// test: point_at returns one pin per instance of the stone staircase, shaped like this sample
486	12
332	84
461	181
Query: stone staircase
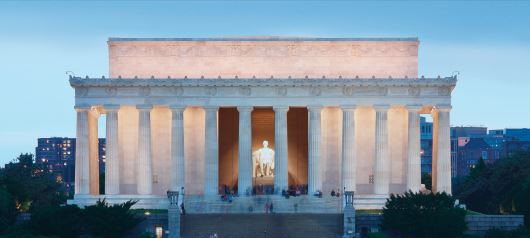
256	204
262	225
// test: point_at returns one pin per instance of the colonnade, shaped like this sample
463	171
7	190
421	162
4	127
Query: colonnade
86	177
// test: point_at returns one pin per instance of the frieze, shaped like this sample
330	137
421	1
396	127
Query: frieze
144	91
177	91
331	87
281	91
245	91
347	91
414	91
315	91
267	50
111	91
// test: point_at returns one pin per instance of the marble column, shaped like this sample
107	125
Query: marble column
93	141
382	156
244	157
177	180
82	167
144	181
441	161
211	154
112	164
281	181
314	178
349	162
413	149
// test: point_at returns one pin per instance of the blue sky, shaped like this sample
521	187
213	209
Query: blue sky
488	42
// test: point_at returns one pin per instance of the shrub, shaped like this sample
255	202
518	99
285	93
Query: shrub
418	215
65	221
104	220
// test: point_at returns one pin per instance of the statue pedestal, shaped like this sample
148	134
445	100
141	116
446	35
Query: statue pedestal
349	216
173	215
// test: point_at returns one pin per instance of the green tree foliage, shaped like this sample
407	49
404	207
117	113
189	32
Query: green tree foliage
505	184
104	220
418	215
61	221
31	187
7	210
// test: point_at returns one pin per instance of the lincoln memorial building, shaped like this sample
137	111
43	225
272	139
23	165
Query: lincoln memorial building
231	122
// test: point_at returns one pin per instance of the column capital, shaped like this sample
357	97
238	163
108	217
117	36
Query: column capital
442	108
176	107
111	107
210	108
245	108
348	107
144	107
280	108
381	107
82	107
414	107
314	107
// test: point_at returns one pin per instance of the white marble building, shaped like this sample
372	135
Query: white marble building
186	114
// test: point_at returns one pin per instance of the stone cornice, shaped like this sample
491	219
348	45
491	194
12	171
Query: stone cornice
260	82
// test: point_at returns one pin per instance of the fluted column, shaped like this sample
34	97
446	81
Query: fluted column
93	141
382	157
413	149
441	162
144	175
349	162
314	178
281	181
244	182
211	154
82	167
112	164
177	180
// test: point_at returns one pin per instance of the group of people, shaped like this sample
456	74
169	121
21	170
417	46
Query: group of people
227	193
269	208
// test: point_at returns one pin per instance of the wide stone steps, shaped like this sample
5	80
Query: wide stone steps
256	204
261	225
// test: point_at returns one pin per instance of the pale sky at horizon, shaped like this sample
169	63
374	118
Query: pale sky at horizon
488	42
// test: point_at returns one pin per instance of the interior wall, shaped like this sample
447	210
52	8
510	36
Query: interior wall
128	148
228	146
194	129
331	149
161	149
365	142
398	141
297	147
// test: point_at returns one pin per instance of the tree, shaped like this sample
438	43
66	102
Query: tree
104	220
505	183
7	210
30	186
419	215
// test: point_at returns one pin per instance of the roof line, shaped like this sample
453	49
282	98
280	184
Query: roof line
117	39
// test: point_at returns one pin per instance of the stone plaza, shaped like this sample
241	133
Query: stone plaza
259	117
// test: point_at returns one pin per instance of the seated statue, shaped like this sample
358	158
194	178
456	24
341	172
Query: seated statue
265	159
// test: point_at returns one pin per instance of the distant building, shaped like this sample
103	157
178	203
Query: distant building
426	145
469	131
470	151
511	147
57	155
